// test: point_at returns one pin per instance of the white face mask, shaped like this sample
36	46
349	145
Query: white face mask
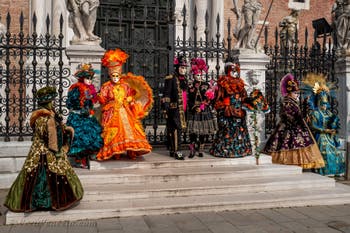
234	74
198	77
87	81
115	77
182	70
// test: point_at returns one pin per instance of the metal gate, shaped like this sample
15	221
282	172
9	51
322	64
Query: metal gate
145	30
297	60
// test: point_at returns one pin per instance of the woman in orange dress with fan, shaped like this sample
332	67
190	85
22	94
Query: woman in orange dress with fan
126	99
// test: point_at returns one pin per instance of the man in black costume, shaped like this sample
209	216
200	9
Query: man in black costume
174	104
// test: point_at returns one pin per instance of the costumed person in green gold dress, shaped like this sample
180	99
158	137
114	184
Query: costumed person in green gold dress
47	181
324	123
232	138
292	142
81	98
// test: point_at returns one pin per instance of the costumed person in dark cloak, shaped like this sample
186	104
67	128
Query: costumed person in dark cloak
292	142
174	103
126	99
232	138
201	120
47	181
81	98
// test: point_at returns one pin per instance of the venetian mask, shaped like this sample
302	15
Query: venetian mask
182	70
88	81
115	77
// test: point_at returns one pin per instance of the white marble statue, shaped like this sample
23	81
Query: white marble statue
341	23
244	32
82	18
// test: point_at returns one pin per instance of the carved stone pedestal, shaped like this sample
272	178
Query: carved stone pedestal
342	71
92	54
253	67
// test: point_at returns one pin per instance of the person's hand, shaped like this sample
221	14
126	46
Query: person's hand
59	154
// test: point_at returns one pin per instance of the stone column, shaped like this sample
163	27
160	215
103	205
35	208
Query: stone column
58	8
202	6
179	18
253	67
39	7
343	97
217	7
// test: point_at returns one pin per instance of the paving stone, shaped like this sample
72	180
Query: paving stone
325	230
25	228
340	210
159	221
290	213
255	217
166	230
315	212
235	218
252	229
134	224
191	225
312	223
53	229
209	217
108	224
297	227
5	229
275	228
274	215
82	229
182	217
339	226
222	227
111	231
197	231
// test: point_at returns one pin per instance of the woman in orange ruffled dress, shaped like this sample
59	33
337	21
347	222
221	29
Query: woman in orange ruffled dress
126	99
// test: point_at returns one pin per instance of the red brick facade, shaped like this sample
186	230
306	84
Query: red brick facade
15	7
318	9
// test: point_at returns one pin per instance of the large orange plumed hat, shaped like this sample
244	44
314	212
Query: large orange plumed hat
114	60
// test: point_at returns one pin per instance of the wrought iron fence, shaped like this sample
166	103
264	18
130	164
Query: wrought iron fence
297	60
28	62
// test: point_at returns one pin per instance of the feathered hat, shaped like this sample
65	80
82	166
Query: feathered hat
288	84
198	66
84	71
114	60
46	95
313	85
180	61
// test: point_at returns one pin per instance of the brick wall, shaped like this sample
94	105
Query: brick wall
318	9
15	7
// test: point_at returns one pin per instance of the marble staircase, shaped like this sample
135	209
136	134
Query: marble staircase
158	184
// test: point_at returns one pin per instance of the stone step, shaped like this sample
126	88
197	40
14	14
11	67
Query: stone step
107	192
182	174
340	194
160	159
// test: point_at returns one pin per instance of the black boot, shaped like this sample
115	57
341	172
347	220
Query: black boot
192	151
